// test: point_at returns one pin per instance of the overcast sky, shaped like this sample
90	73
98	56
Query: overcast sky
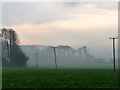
76	24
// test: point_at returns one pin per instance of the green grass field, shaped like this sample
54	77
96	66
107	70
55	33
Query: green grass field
60	78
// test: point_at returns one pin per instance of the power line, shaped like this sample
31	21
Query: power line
93	42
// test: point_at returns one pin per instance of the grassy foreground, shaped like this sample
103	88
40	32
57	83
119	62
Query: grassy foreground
60	78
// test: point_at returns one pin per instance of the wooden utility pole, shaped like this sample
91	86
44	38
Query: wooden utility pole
1	53
55	57
113	38
36	59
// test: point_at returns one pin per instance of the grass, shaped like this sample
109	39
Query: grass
60	78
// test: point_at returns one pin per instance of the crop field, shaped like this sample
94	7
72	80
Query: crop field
59	78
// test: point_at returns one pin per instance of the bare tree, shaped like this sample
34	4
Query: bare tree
10	42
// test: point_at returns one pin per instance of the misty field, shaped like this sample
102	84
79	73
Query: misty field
60	78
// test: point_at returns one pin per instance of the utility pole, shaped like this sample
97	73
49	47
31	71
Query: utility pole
1	53
36	59
113	38
55	57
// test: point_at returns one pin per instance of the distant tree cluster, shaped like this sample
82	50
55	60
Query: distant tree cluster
64	54
12	55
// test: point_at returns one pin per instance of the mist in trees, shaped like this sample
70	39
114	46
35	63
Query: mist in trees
12	55
67	57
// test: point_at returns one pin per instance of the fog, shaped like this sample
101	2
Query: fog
79	26
67	57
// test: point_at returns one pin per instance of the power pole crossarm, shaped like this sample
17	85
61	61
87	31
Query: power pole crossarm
113	37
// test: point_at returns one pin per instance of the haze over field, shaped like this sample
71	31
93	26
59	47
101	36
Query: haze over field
67	57
72	24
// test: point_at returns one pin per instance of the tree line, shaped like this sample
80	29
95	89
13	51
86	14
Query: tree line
12	55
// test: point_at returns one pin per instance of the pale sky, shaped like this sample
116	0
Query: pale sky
49	23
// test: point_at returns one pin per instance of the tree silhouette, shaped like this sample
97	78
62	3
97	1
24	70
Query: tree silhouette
10	42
